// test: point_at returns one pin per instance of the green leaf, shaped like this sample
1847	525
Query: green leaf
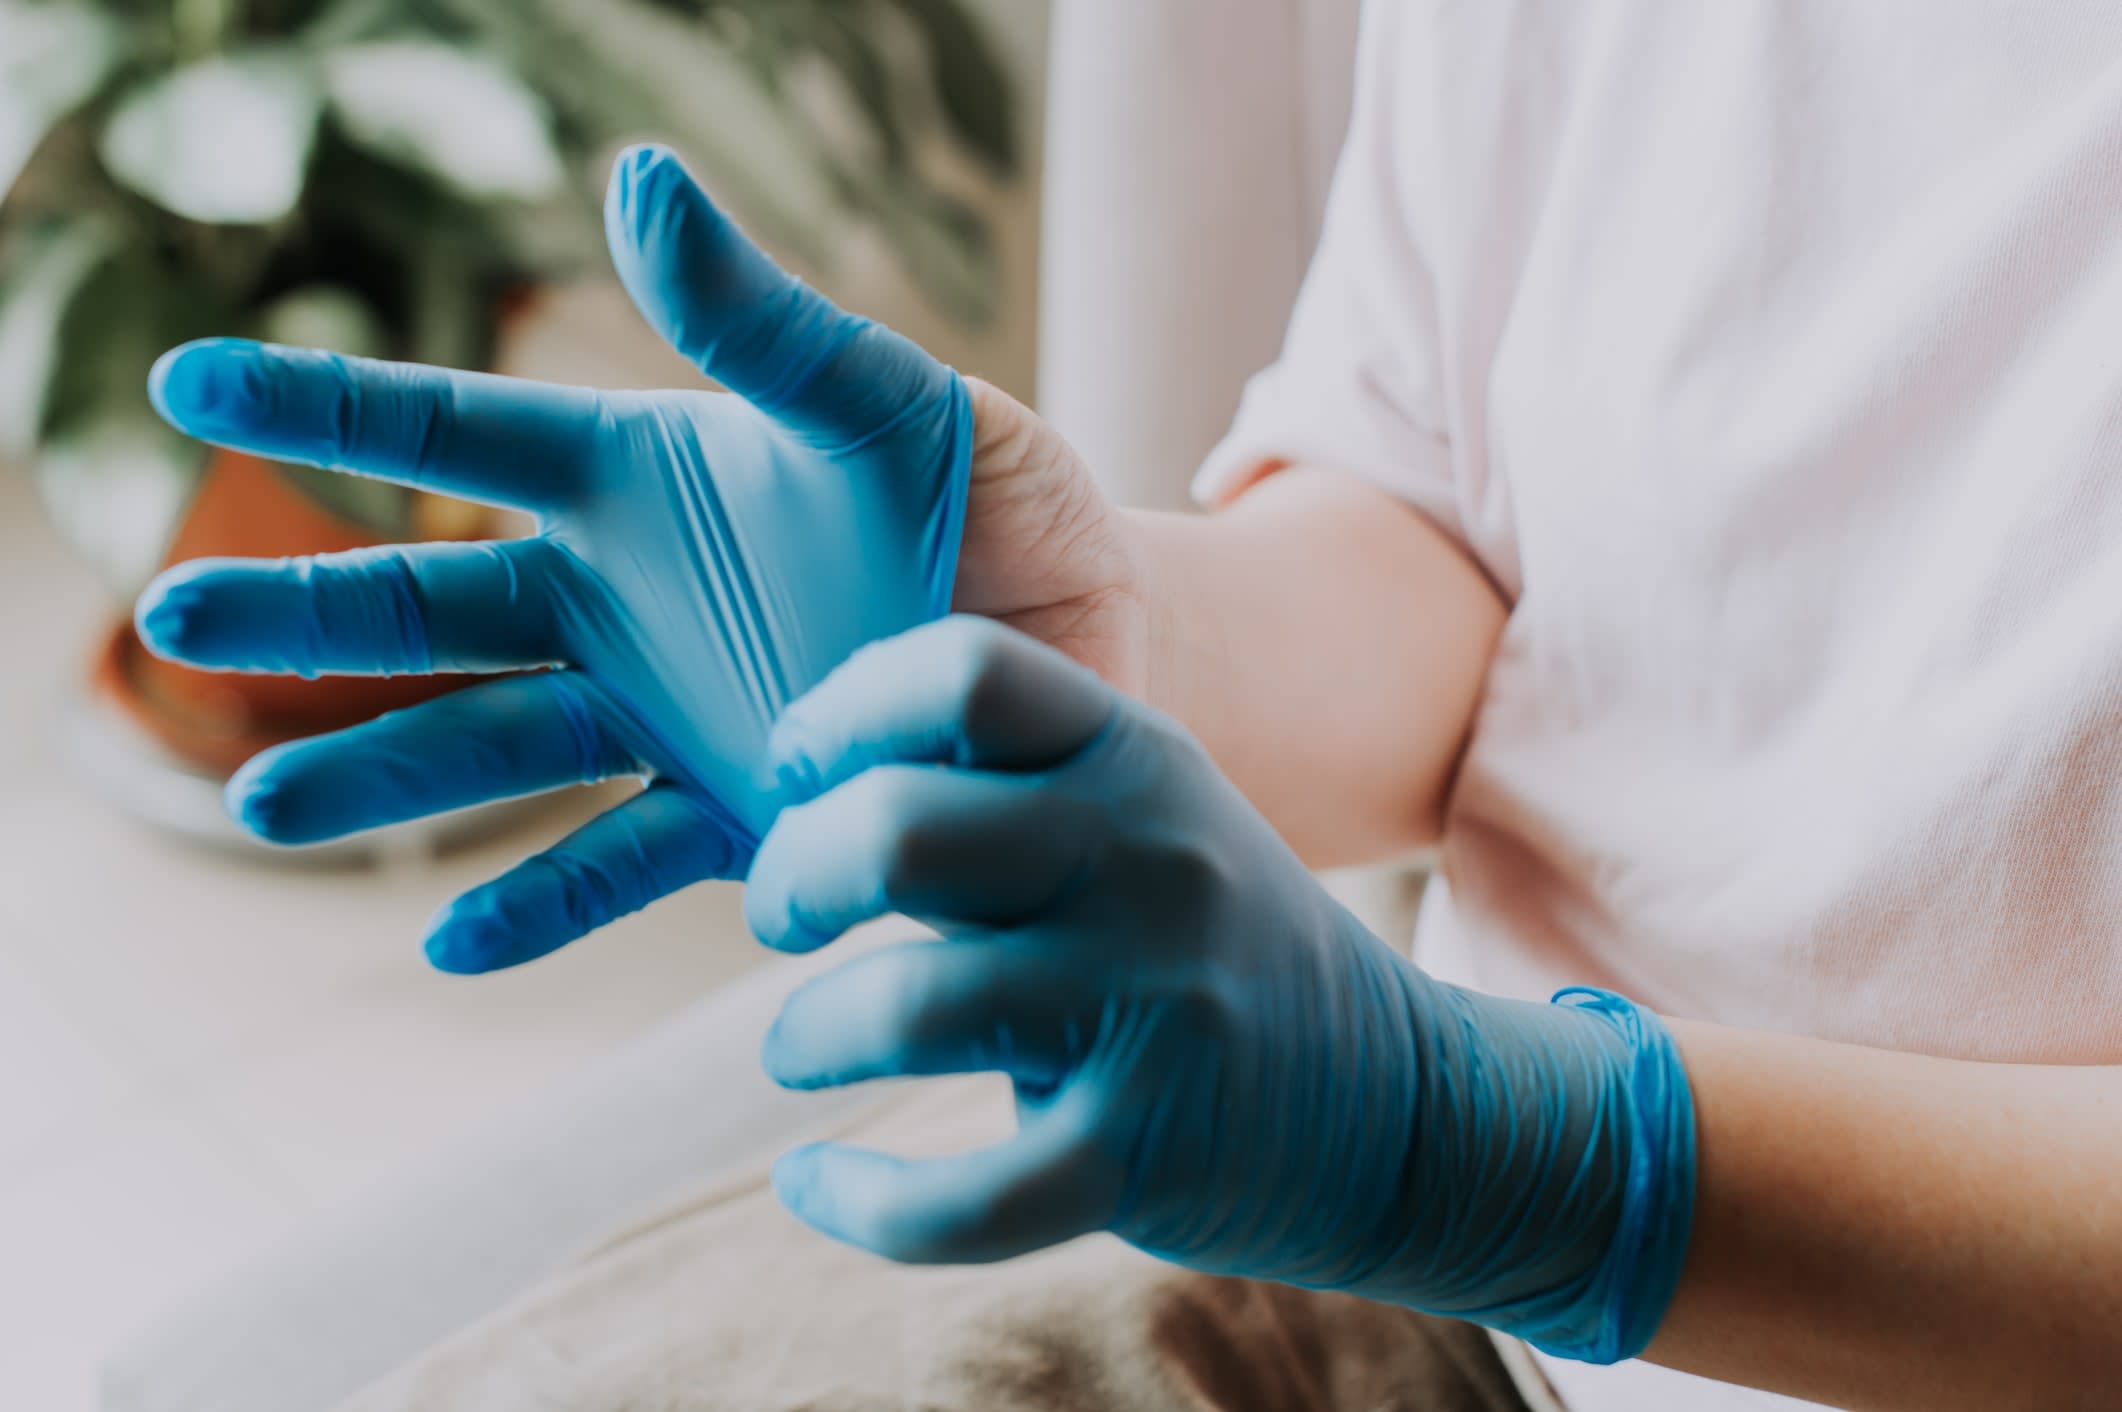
973	83
223	141
49	269
453	309
384	510
325	316
393	209
456	114
948	249
633	73
345	21
113	476
201	27
115	328
752	150
116	487
852	51
53	58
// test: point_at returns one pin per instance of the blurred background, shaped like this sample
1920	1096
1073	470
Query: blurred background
201	1047
253	1154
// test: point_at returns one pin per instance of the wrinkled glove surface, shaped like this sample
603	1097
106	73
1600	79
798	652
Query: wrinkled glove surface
1211	1058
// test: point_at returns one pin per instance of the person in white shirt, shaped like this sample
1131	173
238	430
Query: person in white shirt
1692	494
1763	358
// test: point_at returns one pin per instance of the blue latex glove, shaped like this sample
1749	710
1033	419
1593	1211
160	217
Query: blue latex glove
702	560
1212	1059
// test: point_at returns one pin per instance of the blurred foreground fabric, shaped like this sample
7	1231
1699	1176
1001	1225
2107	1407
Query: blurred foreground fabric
724	1302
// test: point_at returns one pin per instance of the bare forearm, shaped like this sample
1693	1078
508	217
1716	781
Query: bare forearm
1886	1231
1328	645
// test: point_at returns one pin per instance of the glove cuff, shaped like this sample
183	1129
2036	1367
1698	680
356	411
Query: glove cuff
1634	1283
944	540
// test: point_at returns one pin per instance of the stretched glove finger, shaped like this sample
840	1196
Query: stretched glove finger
410	610
936	844
497	740
831	378
933	1008
963	691
662	841
1045	1186
502	441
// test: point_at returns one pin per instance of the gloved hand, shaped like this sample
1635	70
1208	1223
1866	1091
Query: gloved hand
1211	1058
703	559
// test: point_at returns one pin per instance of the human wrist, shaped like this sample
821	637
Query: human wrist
1165	553
1144	540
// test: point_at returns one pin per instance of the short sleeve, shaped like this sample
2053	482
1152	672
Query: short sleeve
1358	385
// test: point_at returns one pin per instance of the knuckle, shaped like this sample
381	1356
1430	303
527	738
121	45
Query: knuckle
387	411
1184	859
254	385
1202	1008
586	895
575	720
1171	744
977	643
910	841
370	600
342	407
1191	877
529	566
879	658
909	998
986	660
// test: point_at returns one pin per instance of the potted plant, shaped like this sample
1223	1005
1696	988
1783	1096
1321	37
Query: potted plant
393	177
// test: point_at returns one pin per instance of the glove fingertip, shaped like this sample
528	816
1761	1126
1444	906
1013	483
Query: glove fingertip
769	915
783	933
444	959
166	615
160	377
636	196
454	949
473	936
774	1058
196	386
796	1170
263	804
639	160
802	1182
788	1060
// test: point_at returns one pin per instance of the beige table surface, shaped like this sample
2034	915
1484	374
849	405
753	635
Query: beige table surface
197	1051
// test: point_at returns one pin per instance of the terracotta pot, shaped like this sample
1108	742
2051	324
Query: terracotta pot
212	721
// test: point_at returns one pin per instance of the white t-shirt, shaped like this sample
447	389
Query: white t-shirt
1767	354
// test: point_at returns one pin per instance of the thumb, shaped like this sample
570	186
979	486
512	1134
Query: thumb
828	376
